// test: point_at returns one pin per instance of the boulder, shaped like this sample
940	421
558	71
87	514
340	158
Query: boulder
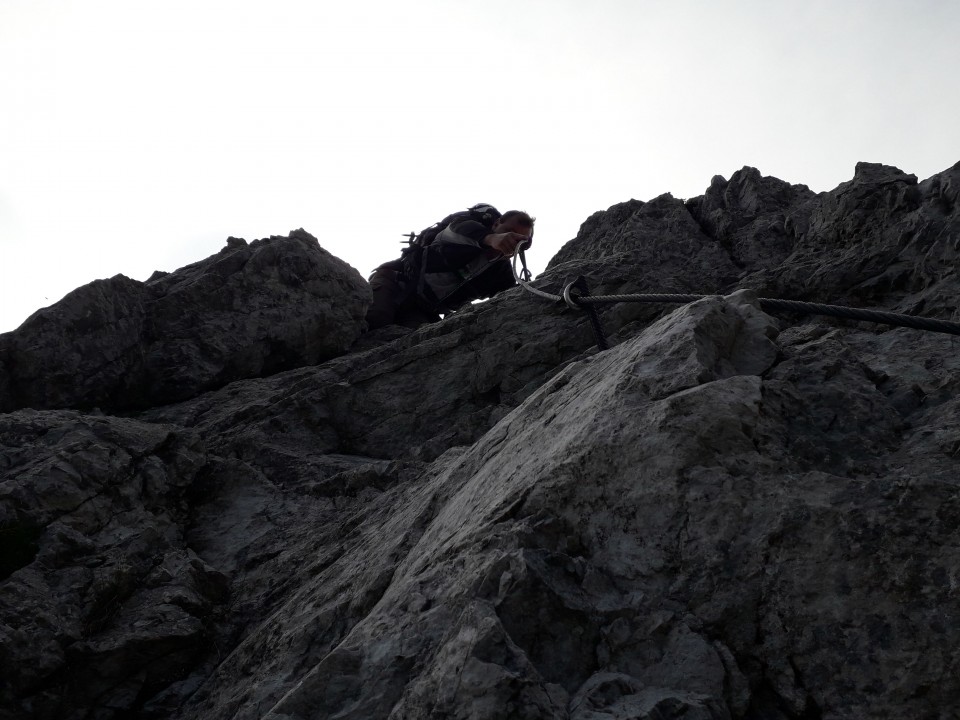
247	311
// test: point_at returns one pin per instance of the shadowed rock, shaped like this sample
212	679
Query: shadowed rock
726	515
247	311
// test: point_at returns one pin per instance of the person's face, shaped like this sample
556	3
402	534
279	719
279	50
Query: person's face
513	225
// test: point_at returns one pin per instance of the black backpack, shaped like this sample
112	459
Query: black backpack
414	256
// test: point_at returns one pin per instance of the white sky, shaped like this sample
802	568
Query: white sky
137	136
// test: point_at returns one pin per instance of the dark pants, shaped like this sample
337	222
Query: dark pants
394	302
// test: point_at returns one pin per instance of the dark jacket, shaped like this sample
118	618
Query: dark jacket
459	268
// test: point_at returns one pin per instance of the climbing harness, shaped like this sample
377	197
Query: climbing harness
577	296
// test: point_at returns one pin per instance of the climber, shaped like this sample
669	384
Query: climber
464	257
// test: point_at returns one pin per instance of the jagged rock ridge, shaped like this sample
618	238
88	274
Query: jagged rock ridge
726	515
249	310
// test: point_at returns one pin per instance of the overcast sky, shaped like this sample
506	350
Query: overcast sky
137	136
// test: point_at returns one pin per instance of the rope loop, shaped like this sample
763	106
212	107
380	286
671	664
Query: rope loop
571	298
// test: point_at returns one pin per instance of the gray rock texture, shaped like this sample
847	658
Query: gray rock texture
249	310
725	515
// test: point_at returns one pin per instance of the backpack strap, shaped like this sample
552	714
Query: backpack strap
415	256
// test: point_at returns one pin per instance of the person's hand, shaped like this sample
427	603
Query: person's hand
505	243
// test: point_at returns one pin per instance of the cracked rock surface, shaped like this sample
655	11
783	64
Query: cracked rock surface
249	310
725	515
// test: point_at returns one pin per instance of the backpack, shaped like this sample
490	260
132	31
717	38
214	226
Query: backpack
414	257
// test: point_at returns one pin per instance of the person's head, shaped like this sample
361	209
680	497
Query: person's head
515	221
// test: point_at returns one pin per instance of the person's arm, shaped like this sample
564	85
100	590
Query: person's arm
457	246
464	242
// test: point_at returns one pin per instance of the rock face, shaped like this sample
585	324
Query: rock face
726	515
247	311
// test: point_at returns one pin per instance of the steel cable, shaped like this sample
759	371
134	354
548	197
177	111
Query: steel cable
807	308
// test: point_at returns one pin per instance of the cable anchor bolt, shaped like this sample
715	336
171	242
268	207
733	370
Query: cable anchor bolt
571	296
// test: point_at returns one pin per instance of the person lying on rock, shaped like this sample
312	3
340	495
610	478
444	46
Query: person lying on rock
464	257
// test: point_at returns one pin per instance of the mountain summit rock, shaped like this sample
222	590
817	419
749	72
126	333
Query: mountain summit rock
726	515
247	311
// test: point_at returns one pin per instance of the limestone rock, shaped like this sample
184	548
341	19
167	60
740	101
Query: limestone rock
81	351
247	311
752	216
879	239
101	601
656	246
725	515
